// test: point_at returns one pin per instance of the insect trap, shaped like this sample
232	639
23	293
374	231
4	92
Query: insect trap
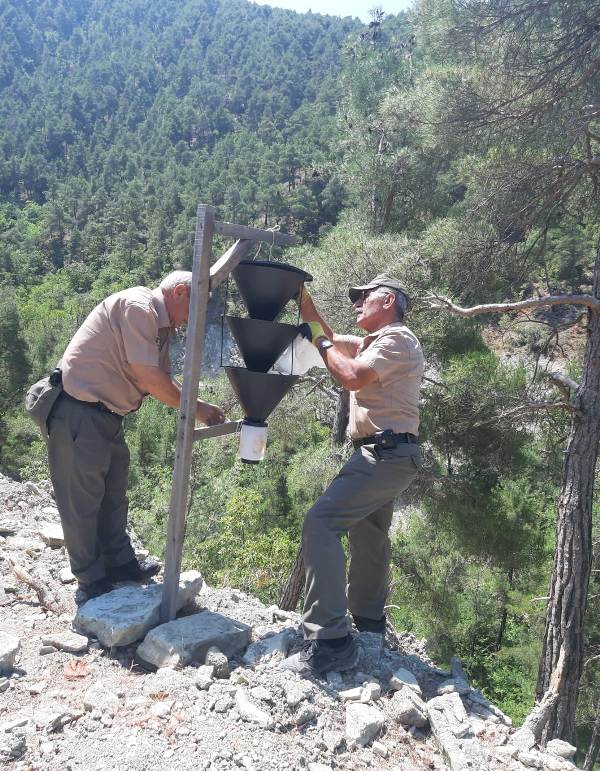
266	288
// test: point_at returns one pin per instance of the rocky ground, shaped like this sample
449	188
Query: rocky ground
73	694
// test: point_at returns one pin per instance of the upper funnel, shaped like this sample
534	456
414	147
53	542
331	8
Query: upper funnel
260	342
267	287
259	392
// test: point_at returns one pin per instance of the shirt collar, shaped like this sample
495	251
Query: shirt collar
161	308
368	339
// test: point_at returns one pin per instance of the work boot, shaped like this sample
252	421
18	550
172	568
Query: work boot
320	656
134	571
364	624
92	589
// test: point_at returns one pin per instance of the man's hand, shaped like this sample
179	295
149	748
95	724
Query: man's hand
312	331
208	413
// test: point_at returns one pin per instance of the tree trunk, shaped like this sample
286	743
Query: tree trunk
294	585
340	420
573	558
504	615
594	747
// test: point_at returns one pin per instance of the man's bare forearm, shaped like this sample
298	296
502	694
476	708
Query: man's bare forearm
158	384
161	386
347	371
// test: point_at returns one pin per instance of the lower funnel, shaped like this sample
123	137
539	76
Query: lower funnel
259	392
260	342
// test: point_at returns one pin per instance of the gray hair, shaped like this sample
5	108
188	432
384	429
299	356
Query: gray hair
176	277
400	300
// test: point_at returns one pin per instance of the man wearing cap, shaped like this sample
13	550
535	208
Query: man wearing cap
119	355
383	372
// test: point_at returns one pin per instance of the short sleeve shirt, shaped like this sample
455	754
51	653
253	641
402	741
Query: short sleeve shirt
391	401
129	327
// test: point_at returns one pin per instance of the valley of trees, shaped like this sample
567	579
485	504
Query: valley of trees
457	146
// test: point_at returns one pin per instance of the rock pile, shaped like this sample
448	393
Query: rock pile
104	687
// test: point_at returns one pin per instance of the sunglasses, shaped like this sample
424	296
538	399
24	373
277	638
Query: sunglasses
364	293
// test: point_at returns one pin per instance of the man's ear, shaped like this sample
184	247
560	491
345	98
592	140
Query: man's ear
180	290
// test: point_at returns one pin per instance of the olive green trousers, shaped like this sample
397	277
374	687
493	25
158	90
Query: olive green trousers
359	502
89	465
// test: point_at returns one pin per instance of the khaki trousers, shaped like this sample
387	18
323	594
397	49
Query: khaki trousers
358	502
89	465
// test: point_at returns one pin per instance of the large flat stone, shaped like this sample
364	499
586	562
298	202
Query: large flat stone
188	639
126	614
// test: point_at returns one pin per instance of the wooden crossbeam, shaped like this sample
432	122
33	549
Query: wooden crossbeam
223	429
256	234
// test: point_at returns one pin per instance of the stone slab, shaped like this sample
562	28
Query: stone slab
188	639
126	614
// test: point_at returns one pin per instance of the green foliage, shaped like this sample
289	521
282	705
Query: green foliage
468	606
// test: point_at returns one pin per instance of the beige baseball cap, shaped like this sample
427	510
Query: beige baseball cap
382	280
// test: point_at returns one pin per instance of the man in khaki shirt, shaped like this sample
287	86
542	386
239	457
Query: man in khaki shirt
119	355
383	372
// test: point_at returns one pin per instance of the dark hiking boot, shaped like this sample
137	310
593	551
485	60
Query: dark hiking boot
364	624
93	589
134	571
320	656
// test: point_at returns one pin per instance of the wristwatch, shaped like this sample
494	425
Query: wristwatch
323	343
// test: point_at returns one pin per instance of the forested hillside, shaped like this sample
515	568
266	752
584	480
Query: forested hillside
458	147
118	118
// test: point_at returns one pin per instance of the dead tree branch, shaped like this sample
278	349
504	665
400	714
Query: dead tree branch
565	385
436	301
523	409
45	596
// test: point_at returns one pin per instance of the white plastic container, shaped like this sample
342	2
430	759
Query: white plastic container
253	441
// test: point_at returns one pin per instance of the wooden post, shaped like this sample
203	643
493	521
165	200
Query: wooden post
187	411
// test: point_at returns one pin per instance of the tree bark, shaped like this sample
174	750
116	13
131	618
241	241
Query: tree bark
594	748
573	557
340	420
294	584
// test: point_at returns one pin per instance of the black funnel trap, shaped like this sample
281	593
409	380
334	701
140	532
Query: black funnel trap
266	287
260	342
259	392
